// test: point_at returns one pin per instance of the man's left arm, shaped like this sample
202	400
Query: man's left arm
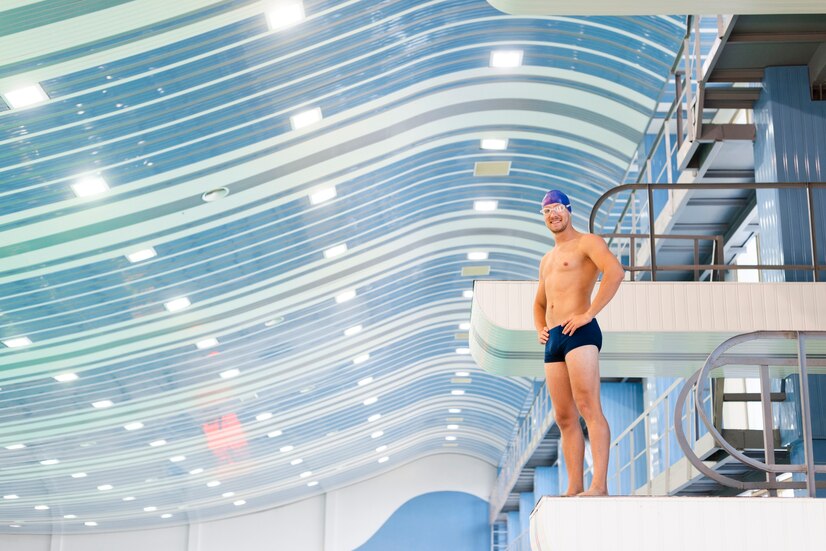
613	273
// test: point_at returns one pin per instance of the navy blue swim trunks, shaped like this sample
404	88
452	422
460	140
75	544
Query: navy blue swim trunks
559	345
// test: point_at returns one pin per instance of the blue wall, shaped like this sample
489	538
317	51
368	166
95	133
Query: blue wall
438	521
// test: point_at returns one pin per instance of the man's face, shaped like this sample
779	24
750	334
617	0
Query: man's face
556	217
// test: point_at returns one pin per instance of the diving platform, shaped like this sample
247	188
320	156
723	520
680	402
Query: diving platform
679	523
656	329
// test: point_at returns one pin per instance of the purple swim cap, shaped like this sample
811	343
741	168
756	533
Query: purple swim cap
556	196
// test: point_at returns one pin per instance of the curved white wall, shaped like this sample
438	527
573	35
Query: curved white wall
339	520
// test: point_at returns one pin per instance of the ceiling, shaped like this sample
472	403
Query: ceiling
207	410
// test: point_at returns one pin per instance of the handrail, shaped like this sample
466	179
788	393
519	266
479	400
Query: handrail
696	383
717	265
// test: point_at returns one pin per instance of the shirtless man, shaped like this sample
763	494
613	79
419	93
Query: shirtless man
567	275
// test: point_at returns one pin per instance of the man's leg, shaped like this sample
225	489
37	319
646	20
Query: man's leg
583	371
567	417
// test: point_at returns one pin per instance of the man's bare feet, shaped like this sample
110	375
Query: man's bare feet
593	492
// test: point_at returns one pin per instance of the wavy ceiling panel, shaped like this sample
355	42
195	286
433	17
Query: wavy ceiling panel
267	364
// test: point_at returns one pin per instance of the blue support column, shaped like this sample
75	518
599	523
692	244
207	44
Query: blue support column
790	147
526	503
545	482
514	528
622	403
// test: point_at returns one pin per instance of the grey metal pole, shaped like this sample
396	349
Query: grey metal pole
652	228
806	416
812	228
768	425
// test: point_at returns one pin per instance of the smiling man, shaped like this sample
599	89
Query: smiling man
567	275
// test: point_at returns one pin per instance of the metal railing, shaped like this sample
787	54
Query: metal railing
533	429
697	384
697	267
522	542
628	454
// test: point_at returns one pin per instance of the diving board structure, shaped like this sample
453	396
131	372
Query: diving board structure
652	329
678	523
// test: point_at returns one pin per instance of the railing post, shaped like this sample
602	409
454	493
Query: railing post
678	91
812	229
648	455
652	227
666	452
806	416
633	462
768	424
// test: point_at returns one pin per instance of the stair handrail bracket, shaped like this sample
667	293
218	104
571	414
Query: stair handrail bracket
698	382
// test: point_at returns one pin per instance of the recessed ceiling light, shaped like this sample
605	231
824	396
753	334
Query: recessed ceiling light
345	296
361	359
352	331
133	426
284	14
370	401
464	326
65	377
26	96
229	374
322	195
335	251
463	351
297	461
16	446
89	186
50	462
129	498
70	516
477	255
365	381
305	474
374	417
177	304
206	343
377	434
454	410
450	438
274	434
274	321
384	459
91	523
306	118
140	256
453	427
286	449
381	449
11	496
462	373
485	206
457	392
157	443
105	487
506	58
213	483
313	483
228	494
166	515
494	144
215	194
263	416
178	458
467	294
196	471
307	389
79	475
102	404
17	342
150	509
239	502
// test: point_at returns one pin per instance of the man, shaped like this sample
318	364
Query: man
567	275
